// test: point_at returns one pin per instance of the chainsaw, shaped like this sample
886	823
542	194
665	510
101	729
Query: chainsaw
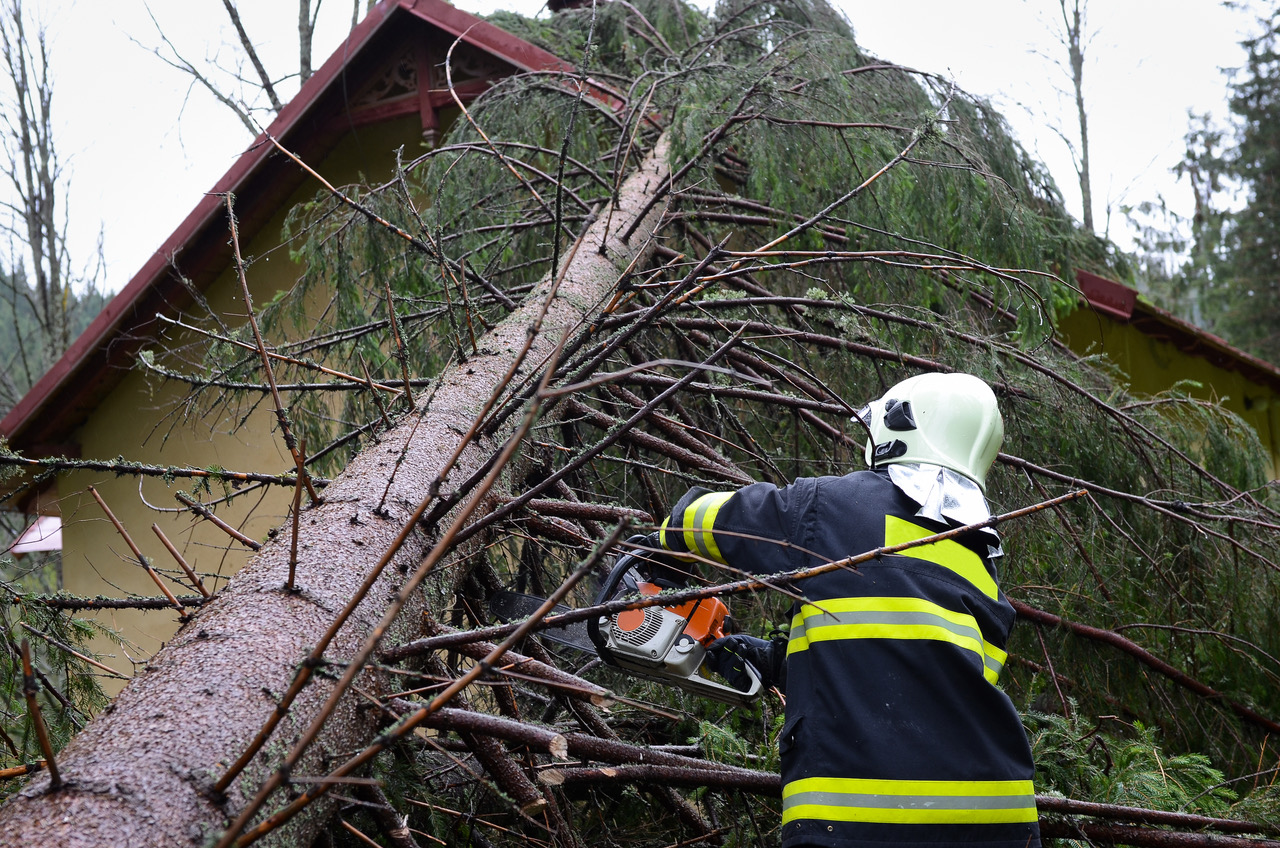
666	644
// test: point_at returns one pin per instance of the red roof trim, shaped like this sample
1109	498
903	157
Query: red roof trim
122	308
486	36
1109	298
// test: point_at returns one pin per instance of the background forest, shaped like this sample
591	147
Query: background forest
826	223
1226	280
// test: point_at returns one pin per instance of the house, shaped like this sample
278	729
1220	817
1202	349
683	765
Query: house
1157	350
383	88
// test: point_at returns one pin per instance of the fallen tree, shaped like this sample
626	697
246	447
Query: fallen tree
823	225
144	771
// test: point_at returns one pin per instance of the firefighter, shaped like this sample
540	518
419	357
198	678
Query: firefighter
896	732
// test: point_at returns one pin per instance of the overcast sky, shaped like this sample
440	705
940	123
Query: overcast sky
143	145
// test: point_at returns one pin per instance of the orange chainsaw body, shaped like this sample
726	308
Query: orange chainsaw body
704	619
663	643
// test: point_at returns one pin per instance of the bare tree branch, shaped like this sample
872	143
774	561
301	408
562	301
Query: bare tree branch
264	79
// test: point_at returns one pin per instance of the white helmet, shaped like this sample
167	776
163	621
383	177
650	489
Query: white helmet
950	420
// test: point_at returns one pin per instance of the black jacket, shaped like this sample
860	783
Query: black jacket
896	733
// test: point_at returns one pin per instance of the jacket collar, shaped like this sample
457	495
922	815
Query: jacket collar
944	497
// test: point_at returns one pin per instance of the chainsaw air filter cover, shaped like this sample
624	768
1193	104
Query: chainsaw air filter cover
654	637
637	627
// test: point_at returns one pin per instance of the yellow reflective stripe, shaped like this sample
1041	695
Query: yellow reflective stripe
947	553
698	520
909	801
892	618
798	640
993	658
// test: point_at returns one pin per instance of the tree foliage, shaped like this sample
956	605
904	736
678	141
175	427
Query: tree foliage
833	223
1217	268
1252	249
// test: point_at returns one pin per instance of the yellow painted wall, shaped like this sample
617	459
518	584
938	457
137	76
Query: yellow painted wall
144	419
1154	366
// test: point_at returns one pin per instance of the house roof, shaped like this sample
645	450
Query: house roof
1122	303
44	420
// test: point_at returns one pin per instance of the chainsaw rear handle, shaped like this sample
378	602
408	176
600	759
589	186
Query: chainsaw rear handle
626	561
608	590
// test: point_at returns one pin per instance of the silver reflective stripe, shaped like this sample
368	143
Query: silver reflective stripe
700	529
813	624
893	618
910	802
993	665
937	802
798	633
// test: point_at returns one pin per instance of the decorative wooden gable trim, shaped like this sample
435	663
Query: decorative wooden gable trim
415	81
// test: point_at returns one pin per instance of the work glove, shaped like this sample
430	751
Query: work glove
665	569
729	657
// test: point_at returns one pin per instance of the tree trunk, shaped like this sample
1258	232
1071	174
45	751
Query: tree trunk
32	170
141	772
306	29
1075	35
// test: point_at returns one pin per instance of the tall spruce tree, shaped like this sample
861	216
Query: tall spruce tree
1250	266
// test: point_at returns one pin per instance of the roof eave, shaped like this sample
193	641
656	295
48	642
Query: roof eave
1123	304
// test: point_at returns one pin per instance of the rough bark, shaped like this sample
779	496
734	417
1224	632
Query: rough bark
140	773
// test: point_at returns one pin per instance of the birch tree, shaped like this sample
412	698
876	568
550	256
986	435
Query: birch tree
44	298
